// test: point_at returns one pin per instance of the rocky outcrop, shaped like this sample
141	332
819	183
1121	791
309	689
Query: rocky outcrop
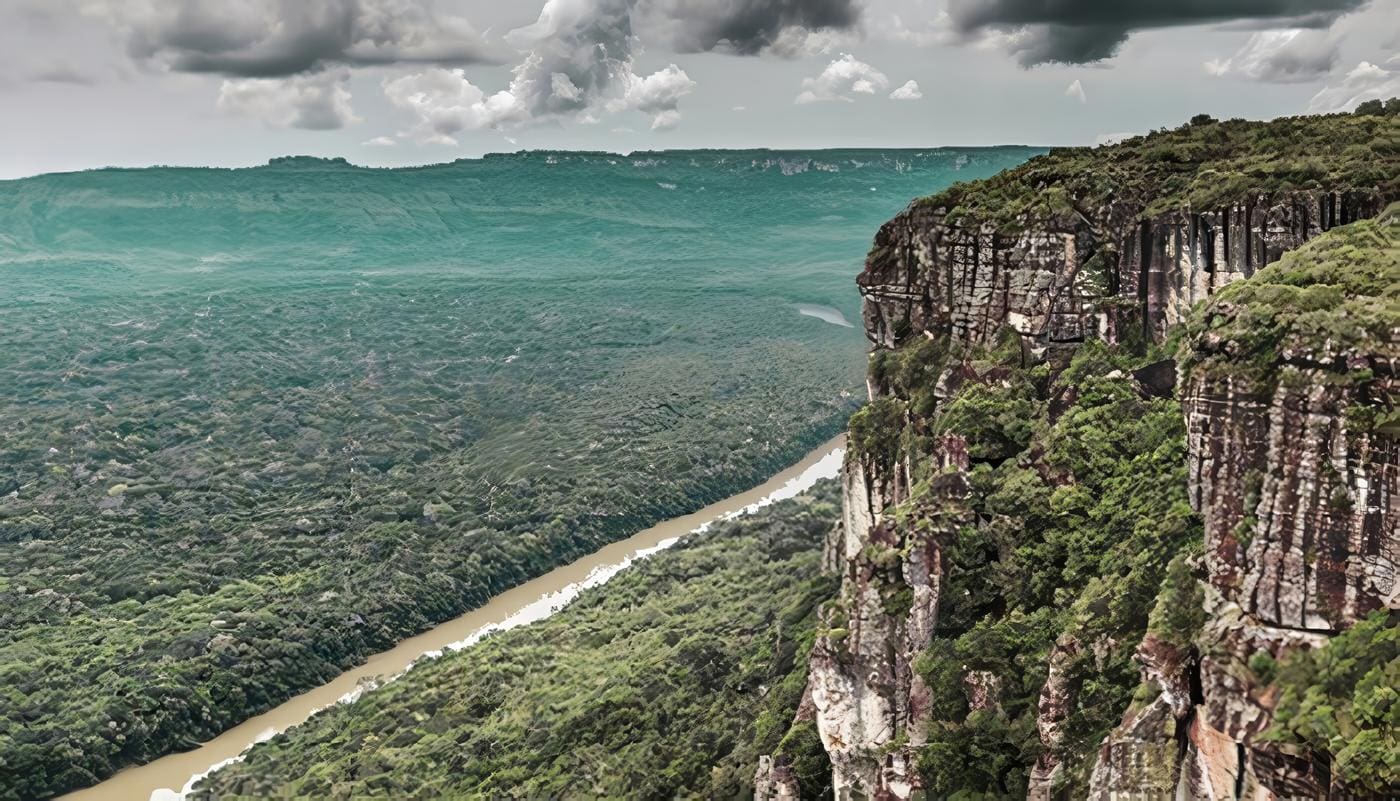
1300	493
1319	500
1051	712
870	703
1299	508
1081	272
775	781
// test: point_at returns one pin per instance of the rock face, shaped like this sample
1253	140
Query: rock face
1300	510
1081	272
1321	499
774	781
869	702
1300	494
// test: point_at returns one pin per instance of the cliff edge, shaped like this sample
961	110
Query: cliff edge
1118	476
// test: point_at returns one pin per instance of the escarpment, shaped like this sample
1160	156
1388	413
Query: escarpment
1058	276
1290	392
1061	575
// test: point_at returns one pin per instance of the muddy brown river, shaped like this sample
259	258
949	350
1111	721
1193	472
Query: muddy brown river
171	777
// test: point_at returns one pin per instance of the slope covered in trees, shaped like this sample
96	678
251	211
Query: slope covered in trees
666	682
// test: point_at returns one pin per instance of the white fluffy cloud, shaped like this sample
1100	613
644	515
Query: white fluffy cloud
909	91
1076	91
665	120
1291	55
657	94
1366	82
842	78
317	102
445	103
579	65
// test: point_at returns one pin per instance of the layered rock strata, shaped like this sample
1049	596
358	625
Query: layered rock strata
1300	493
1309	569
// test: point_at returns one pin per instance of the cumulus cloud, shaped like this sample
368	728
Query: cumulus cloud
577	49
1085	31
842	78
909	91
446	103
747	27
1076	91
1366	82
665	120
1290	55
579	65
318	102
657	94
575	61
278	38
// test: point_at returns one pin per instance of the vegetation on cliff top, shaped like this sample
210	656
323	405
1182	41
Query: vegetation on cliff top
1203	164
1333	303
666	682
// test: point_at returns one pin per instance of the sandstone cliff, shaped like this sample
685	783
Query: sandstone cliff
978	303
1287	385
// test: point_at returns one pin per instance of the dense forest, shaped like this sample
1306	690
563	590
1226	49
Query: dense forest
279	418
666	682
1203	164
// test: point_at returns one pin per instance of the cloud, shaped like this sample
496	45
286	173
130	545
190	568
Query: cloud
1366	82
279	38
1085	31
785	28
317	102
927	32
446	103
666	120
1076	90
380	141
63	73
909	91
842	78
579	65
577	48
1290	55
658	94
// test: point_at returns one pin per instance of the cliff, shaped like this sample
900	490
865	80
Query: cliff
1289	390
1065	573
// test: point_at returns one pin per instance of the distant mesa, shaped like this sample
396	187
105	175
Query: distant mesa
308	161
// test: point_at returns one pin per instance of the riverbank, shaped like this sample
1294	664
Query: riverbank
172	776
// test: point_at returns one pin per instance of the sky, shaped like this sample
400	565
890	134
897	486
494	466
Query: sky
93	83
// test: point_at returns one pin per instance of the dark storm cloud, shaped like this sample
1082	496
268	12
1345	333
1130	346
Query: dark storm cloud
747	27
1083	31
277	38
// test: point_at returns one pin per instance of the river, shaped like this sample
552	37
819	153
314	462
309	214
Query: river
171	777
